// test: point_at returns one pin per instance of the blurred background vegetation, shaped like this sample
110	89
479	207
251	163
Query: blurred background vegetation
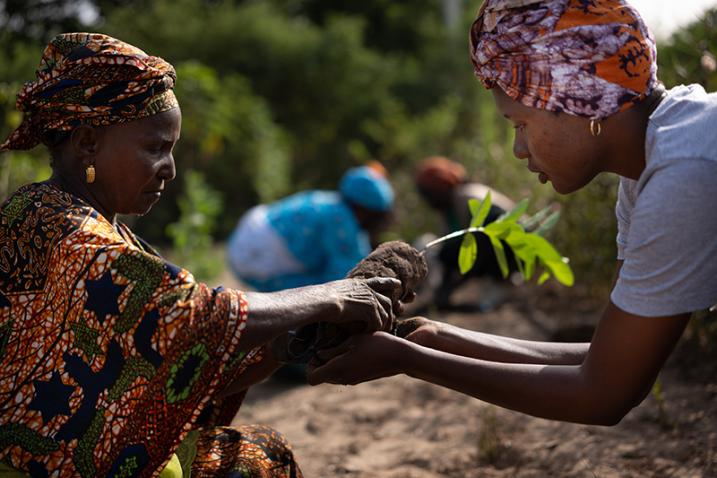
284	95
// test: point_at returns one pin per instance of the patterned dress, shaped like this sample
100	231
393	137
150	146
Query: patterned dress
110	355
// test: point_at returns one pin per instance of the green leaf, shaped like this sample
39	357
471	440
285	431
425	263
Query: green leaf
187	452
524	253
529	248
500	255
474	206
548	224
536	218
468	253
498	229
562	272
480	211
543	277
515	236
516	212
543	248
529	268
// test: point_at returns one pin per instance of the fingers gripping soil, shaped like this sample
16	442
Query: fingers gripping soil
393	271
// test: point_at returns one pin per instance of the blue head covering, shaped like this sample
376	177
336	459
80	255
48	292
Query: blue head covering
366	187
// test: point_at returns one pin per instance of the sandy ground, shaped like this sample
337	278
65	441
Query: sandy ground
404	428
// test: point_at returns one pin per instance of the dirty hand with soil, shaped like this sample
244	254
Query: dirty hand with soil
394	261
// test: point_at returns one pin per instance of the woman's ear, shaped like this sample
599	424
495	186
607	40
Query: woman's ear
84	141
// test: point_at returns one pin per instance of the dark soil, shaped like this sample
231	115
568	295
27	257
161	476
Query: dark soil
397	260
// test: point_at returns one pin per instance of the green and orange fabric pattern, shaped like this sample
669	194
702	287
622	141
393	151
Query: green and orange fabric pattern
110	355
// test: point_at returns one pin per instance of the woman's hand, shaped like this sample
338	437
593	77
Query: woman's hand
367	301
399	306
360	359
419	330
357	305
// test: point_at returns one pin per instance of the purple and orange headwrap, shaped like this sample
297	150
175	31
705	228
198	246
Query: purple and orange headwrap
90	78
589	58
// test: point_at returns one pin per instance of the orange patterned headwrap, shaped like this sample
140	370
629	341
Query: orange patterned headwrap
589	58
90	78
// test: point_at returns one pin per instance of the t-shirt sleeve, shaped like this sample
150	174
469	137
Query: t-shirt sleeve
670	250
623	210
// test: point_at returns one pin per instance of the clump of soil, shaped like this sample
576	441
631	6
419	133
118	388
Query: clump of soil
406	327
403	262
394	259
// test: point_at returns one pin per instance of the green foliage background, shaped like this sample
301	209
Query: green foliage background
284	95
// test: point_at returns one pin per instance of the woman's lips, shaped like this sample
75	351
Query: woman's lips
542	177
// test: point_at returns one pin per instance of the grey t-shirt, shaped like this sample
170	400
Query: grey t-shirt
667	219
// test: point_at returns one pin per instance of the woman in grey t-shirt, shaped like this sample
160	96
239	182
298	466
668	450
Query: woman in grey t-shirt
578	82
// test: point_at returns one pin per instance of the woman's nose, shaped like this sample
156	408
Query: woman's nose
520	149
168	171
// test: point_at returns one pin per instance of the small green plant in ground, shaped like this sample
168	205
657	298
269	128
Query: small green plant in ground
531	249
191	235
658	394
490	445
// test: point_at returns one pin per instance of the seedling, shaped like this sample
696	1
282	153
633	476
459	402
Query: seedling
531	249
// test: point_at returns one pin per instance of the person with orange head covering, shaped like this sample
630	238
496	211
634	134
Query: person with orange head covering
578	81
444	184
437	178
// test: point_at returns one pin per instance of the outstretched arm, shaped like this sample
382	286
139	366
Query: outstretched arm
275	313
468	343
623	361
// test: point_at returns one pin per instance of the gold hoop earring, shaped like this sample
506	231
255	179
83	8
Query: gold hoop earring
595	127
90	174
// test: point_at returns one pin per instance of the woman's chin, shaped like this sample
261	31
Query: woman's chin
148	200
563	187
139	209
560	189
142	213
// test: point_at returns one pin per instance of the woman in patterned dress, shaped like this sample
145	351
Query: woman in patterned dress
113	361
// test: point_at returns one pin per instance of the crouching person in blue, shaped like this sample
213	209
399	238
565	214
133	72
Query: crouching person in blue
313	236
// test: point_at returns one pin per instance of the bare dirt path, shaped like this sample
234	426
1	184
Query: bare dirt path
404	428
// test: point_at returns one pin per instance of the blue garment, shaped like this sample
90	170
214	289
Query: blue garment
321	232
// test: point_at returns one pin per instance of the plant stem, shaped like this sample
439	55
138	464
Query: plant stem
451	236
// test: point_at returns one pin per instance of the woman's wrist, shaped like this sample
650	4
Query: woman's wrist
405	357
411	359
430	334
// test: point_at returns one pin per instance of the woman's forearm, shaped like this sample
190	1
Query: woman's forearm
558	392
496	348
275	313
624	358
